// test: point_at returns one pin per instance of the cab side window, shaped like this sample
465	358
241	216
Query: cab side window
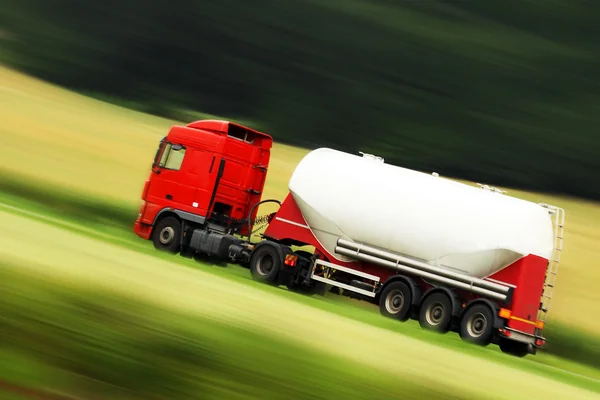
172	157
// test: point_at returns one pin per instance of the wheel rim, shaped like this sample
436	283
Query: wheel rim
264	264
476	325
166	235
435	313
394	302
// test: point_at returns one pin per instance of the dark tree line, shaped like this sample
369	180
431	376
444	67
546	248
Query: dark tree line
503	92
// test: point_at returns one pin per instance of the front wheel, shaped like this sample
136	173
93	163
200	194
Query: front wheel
265	264
166	235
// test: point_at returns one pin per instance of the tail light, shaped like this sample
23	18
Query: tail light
539	324
290	260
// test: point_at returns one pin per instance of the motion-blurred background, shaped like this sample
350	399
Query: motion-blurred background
506	93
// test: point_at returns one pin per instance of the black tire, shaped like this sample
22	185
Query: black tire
516	349
436	312
396	301
477	325
265	264
166	235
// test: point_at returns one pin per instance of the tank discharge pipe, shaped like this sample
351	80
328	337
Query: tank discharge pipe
405	264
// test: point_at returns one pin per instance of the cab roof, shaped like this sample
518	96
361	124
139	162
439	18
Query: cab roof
226	127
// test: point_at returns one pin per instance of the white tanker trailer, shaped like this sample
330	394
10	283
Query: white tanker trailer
425	217
453	256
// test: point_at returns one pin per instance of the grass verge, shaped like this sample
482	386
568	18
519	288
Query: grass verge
93	344
65	258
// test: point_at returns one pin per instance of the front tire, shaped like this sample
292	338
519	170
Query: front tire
436	312
396	301
166	235
265	264
477	325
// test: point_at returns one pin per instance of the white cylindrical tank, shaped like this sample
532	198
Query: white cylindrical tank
436	220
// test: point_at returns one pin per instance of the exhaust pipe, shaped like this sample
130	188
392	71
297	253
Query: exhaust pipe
415	267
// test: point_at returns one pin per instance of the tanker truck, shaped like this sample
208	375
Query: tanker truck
454	257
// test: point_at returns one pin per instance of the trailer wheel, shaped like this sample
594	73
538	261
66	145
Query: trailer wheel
166	234
436	312
395	301
265	264
477	325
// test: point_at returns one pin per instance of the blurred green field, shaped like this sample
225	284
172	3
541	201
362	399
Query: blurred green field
55	139
331	339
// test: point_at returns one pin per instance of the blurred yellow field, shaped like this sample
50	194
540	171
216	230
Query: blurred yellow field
94	263
60	138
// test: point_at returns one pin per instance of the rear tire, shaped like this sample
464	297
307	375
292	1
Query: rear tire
477	325
265	264
166	235
436	312
396	301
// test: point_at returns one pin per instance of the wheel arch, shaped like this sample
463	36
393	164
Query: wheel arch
182	215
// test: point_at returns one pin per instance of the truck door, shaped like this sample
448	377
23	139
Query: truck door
204	177
166	184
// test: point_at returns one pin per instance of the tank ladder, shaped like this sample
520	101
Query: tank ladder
552	270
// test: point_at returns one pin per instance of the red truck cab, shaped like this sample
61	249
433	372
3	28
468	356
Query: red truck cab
207	173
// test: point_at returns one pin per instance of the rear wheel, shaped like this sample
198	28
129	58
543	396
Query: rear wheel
166	235
436	312
265	264
477	325
395	301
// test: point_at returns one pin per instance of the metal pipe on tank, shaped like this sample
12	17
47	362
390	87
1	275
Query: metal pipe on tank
432	276
357	247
